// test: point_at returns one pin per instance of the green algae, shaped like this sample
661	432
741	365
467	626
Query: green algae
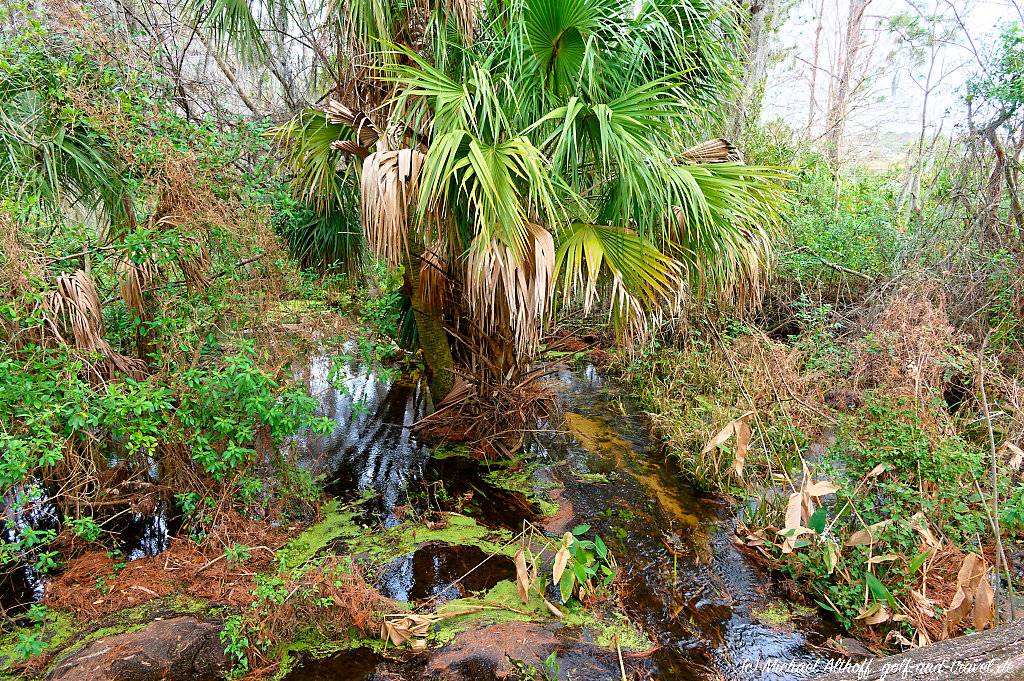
383	546
779	615
313	644
502	604
338	523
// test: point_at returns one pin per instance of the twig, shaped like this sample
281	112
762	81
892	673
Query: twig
618	649
833	265
1000	555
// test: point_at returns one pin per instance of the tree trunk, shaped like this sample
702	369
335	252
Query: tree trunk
759	30
812	105
835	123
433	339
993	655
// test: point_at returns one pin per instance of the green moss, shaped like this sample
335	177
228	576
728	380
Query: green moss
312	644
595	478
502	604
614	626
449	450
384	546
338	523
778	614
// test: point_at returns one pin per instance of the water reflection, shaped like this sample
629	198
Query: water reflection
442	573
371	446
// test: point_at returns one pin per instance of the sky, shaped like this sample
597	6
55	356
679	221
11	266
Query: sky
892	103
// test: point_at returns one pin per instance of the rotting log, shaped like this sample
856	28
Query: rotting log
993	655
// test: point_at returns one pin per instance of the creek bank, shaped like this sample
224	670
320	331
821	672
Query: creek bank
416	521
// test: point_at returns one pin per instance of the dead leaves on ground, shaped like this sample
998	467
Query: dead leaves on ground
402	627
974	596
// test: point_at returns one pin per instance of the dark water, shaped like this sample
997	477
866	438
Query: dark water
696	599
134	535
441	573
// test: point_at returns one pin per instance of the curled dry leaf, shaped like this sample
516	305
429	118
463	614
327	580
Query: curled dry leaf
399	628
1015	455
876	614
984	599
923	603
877	470
820	488
562	557
920	525
522	576
969	579
741	430
553	610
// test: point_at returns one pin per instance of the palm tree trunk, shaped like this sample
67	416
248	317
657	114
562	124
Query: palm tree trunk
437	353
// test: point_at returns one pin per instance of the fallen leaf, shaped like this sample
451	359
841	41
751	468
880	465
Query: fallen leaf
561	558
868	535
968	580
882	559
920	525
983	604
741	430
876	471
522	576
821	488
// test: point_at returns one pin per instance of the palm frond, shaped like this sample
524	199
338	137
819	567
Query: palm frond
507	291
233	25
310	155
388	189
637	269
718	150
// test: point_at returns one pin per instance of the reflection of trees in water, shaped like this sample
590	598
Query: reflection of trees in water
371	446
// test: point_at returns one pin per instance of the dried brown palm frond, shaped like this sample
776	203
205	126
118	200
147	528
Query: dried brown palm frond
135	279
491	418
718	150
350	147
194	261
388	188
737	276
435	285
505	291
75	316
339	114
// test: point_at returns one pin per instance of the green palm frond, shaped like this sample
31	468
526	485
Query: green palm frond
44	157
557	30
637	269
234	25
496	187
726	220
306	141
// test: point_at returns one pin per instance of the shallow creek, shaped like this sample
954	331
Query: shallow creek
691	605
684	584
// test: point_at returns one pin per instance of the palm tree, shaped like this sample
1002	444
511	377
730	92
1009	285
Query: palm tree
513	153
